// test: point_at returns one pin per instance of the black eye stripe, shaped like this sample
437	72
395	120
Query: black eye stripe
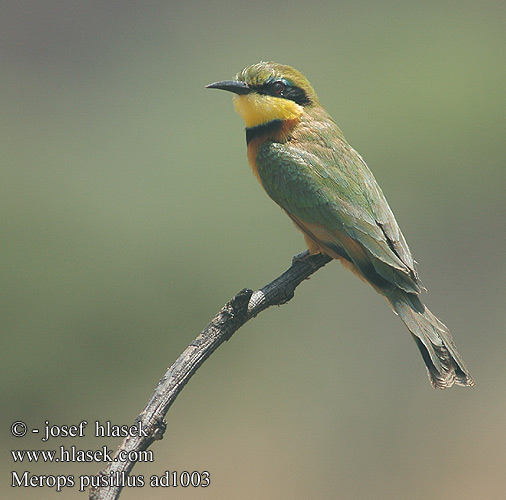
279	88
298	95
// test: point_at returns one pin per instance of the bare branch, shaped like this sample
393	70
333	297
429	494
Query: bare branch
244	306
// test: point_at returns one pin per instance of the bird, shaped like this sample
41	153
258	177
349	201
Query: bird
303	162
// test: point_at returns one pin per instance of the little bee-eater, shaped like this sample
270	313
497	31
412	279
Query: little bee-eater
302	160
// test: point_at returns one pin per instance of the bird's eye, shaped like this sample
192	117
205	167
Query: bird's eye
278	86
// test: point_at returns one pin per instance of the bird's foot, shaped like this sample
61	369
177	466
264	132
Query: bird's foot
301	256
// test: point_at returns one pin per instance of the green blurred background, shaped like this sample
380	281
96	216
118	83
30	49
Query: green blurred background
129	216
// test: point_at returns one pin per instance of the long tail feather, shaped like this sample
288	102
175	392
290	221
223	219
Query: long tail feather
445	366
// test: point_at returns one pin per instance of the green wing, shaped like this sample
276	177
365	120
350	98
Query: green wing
331	189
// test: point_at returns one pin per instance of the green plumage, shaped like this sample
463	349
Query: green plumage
328	183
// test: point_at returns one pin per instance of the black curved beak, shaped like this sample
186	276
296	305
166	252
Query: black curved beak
234	86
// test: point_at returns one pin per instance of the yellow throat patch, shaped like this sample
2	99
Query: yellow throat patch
256	109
